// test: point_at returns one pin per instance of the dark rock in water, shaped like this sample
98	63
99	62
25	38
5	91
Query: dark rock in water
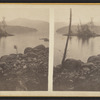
45	39
72	64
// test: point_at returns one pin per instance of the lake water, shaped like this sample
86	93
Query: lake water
80	49
22	41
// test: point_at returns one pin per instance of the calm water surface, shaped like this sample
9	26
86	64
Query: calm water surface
80	49
22	41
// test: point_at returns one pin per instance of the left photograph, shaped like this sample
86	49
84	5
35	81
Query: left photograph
24	47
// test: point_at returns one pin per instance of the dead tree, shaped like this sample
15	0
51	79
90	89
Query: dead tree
69	31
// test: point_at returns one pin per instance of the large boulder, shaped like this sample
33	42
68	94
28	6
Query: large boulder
94	59
2	65
4	58
72	64
40	47
27	50
90	66
7	58
87	68
34	52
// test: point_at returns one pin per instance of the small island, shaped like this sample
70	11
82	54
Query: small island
3	26
83	30
86	30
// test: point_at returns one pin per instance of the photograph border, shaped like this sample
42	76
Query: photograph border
60	94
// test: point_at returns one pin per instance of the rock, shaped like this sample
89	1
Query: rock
34	59
98	55
29	60
24	56
94	59
82	77
4	58
12	56
57	70
9	58
24	66
2	65
20	55
72	64
88	66
30	68
28	49
31	54
18	61
47	49
40	47
1	69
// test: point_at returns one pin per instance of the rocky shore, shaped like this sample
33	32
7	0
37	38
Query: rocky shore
76	75
25	72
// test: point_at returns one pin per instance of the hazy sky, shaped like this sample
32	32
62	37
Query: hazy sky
24	11
61	12
79	12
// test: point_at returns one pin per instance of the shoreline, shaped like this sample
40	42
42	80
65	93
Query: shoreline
25	72
2	34
81	36
76	75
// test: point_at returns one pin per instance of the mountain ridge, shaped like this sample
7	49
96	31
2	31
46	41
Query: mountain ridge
41	26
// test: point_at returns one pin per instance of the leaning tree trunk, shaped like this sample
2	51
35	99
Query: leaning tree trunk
66	46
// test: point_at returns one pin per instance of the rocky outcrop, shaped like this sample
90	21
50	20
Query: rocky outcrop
74	75
25	72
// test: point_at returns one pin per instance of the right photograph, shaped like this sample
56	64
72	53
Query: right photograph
76	48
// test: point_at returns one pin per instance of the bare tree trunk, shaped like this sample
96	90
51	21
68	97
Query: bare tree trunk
66	46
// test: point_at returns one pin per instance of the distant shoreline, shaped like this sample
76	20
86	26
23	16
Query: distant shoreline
79	36
6	35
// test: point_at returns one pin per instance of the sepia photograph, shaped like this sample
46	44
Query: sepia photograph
24	47
49	49
76	48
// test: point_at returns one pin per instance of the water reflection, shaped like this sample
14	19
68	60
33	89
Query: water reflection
3	44
86	42
92	46
83	40
22	41
78	48
0	41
